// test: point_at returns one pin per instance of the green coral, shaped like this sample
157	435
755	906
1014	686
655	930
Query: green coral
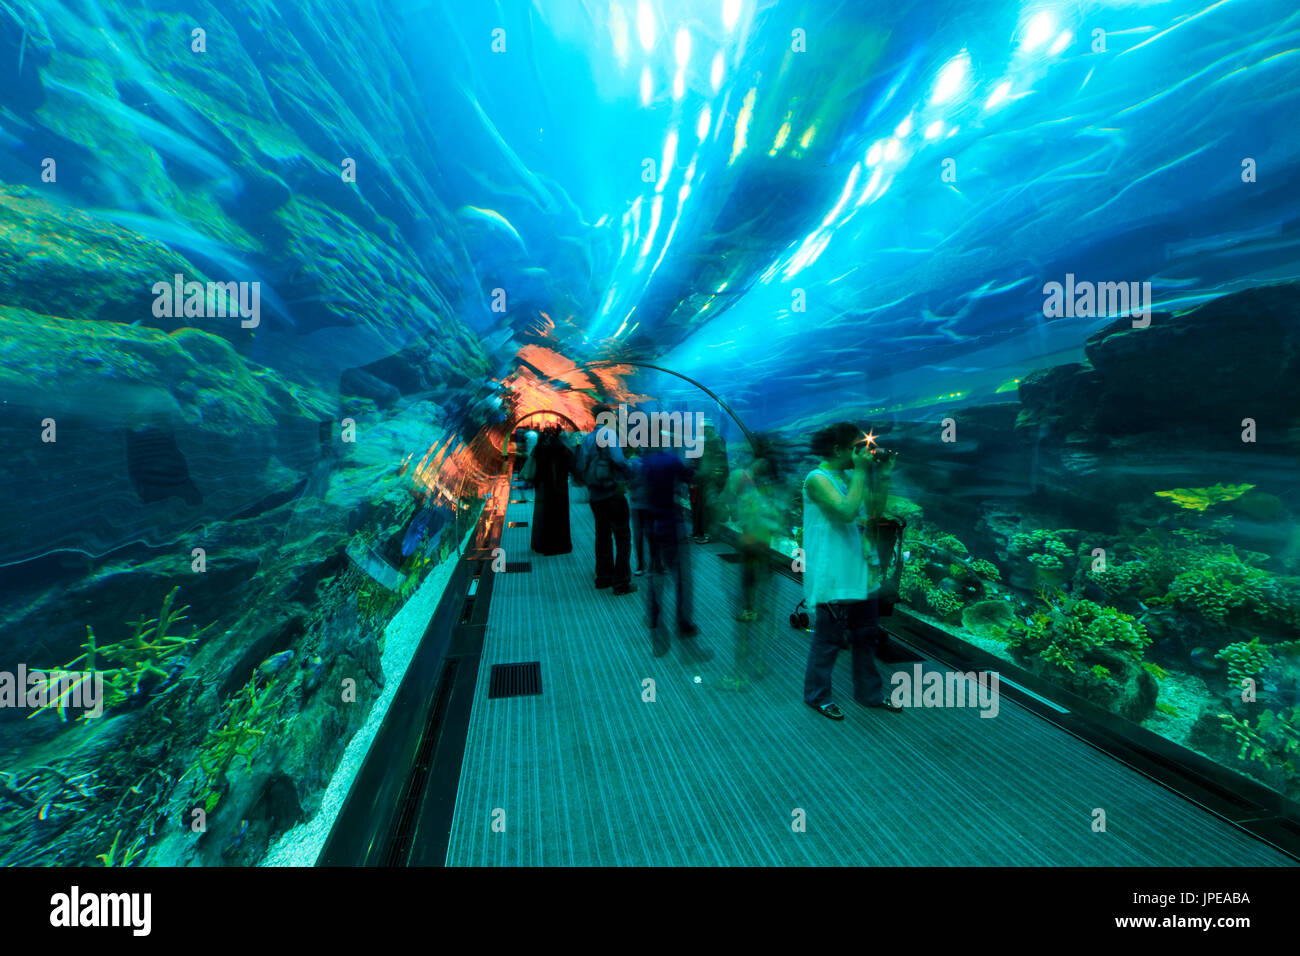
985	569
1040	540
942	603
149	651
1246	660
948	542
1218	585
1199	499
1274	741
1070	629
1117	579
912	585
250	714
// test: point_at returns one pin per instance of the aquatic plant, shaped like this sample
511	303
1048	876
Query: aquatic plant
1219	584
1274	741
129	852
1246	660
1200	499
1070	629
1119	579
250	714
985	569
150	651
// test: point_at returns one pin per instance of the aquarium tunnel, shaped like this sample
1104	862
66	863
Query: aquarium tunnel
373	376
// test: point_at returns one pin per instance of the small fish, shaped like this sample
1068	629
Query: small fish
236	840
274	664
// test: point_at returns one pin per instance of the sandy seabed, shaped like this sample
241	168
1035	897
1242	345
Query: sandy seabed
301	845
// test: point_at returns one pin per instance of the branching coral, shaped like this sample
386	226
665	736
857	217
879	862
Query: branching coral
1274	741
250	715
1246	660
1070	629
1041	541
1219	584
151	651
1118	579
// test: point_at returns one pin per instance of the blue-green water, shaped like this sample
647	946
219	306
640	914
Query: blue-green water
428	212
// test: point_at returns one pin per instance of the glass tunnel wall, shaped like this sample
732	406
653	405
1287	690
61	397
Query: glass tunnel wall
276	280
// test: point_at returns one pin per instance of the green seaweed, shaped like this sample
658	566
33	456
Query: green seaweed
249	715
1070	629
1273	741
129	852
151	649
1246	660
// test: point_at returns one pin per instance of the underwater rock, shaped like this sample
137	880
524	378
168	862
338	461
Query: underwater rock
57	260
984	617
244	436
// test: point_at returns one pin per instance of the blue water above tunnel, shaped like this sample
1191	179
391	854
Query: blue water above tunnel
285	287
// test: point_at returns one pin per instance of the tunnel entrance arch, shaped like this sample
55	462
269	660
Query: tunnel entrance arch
514	426
749	436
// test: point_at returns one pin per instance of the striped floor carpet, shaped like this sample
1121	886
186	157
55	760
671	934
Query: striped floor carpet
593	773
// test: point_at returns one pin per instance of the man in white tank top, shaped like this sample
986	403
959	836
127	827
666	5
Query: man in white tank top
841	587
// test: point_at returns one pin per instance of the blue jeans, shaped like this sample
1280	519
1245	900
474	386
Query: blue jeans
838	622
670	556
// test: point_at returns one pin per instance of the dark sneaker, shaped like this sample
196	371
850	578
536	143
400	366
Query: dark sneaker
687	630
601	587
625	589
828	710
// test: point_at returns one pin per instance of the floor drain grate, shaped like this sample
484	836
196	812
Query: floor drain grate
515	680
518	567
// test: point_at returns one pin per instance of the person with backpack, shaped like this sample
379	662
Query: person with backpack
603	469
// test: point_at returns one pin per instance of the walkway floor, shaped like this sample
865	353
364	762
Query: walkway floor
590	773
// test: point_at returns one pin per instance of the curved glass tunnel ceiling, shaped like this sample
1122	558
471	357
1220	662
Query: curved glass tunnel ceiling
276	280
867	200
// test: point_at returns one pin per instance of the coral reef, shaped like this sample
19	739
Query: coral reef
1273	740
1246	660
1199	499
1092	649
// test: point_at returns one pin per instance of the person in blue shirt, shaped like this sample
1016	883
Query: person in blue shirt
663	473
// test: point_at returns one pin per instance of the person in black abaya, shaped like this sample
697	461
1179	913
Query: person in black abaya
554	461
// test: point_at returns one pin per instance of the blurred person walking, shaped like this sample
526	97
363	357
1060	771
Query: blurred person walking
751	496
663	473
708	484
